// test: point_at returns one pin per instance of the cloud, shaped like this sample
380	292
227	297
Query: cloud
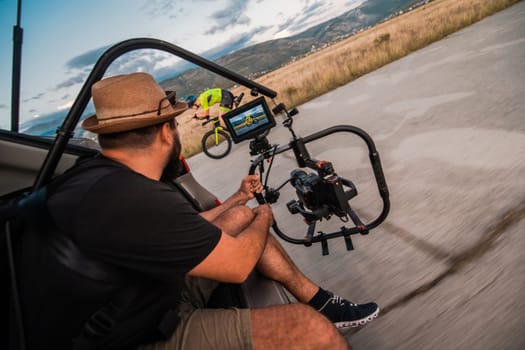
66	105
233	14
139	60
80	66
161	8
311	10
88	58
77	79
289	23
37	97
303	19
352	3
236	42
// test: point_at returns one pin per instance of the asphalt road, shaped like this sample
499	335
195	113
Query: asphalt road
447	267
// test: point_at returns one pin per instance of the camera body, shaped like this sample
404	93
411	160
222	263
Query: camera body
323	195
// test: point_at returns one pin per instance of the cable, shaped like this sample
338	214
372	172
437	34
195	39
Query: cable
269	167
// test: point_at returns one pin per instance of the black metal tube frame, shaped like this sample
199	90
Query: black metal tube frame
18	37
378	173
65	132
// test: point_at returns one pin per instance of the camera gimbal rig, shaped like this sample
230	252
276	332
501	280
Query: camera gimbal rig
313	203
323	193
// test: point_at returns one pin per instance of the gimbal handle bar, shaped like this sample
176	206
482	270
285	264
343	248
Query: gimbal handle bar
376	166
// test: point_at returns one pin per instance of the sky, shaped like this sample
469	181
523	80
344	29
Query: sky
62	40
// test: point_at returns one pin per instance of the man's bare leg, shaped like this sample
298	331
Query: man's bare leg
274	263
292	326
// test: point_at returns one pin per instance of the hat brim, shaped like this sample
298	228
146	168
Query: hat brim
126	124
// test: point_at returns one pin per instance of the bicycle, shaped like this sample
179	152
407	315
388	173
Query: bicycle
216	143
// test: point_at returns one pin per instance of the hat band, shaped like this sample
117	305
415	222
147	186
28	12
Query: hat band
134	114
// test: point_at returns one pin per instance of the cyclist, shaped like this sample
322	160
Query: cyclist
211	97
248	120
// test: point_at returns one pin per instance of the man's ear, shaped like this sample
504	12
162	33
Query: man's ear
166	133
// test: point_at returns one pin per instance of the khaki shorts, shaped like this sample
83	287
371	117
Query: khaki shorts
202	328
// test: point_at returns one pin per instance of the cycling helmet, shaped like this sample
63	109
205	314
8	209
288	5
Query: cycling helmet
190	100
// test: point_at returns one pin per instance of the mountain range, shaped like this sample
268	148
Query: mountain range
256	60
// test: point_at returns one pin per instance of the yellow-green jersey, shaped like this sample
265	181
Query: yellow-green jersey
216	95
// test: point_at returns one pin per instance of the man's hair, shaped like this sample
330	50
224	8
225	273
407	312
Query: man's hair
135	139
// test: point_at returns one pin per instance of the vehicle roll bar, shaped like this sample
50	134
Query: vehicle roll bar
65	131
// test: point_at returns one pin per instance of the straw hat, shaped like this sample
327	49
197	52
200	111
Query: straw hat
128	102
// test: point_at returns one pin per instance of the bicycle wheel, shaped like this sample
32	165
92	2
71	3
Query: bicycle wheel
216	147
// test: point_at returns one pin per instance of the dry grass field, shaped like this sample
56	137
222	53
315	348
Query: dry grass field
359	54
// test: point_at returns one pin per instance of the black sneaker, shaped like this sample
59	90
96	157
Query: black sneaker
345	314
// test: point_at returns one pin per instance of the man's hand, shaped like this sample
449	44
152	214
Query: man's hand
250	185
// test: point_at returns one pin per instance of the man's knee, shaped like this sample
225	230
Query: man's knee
244	213
240	214
235	219
316	319
327	335
294	325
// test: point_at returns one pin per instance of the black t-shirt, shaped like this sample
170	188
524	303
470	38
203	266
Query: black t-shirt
140	226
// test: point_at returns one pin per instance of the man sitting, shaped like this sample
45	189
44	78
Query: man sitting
113	211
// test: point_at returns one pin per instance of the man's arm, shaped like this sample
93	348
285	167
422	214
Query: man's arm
233	258
250	184
203	101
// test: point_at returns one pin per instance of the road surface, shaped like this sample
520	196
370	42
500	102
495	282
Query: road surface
448	265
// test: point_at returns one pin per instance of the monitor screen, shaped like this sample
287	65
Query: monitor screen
249	120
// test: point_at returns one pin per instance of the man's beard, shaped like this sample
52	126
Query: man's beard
174	166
